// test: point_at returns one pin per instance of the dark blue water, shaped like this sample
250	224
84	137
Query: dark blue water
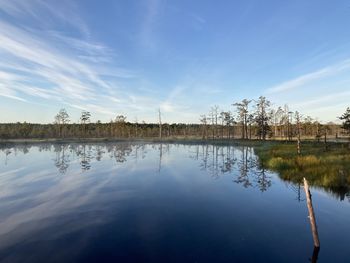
158	203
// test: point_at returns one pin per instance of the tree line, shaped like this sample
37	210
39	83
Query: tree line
250	119
256	119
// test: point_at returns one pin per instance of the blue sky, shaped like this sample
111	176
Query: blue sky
132	57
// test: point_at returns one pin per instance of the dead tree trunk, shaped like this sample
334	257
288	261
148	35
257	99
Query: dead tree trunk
160	124
311	215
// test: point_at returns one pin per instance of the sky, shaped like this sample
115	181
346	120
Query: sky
134	57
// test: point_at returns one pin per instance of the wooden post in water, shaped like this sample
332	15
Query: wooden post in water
311	215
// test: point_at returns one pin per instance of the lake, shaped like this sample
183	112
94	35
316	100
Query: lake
144	202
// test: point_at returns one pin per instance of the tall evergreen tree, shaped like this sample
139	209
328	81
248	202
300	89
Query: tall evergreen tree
85	119
346	120
262	117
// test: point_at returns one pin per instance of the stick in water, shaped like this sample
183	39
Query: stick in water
311	215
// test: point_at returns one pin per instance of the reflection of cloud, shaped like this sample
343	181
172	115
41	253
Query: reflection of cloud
43	209
63	198
34	201
9	174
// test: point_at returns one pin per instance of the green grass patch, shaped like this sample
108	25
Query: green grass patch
328	168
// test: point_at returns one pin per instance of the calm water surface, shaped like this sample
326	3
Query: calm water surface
122	202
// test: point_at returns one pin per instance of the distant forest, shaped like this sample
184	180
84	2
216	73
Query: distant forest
251	119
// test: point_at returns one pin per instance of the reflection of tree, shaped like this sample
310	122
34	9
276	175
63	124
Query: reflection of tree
160	157
162	149
84	153
228	160
7	154
119	152
212	161
263	180
347	195
45	147
204	157
139	152
216	160
9	149
62	159
251	167
244	165
99	153
22	148
296	188
239	162
246	169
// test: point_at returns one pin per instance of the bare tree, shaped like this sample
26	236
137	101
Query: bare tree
325	129
136	127
250	121
318	131
277	119
222	118
285	122
297	118
160	123
61	119
203	121
120	124
214	113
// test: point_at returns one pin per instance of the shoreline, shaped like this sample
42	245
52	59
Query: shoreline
188	140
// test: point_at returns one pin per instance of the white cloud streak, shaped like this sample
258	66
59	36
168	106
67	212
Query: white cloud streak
47	64
71	70
149	22
45	13
307	78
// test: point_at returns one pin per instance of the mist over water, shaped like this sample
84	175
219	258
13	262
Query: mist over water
138	202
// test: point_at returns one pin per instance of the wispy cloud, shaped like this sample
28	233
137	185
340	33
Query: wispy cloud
149	23
322	100
45	13
70	69
47	64
198	18
307	78
65	73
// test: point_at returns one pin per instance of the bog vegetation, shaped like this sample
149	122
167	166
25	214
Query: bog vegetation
323	166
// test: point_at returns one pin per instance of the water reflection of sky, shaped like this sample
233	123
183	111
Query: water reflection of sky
151	192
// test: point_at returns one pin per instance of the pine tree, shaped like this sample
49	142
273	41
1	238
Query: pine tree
346	120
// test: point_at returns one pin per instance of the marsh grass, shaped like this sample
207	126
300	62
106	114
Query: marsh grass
327	168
